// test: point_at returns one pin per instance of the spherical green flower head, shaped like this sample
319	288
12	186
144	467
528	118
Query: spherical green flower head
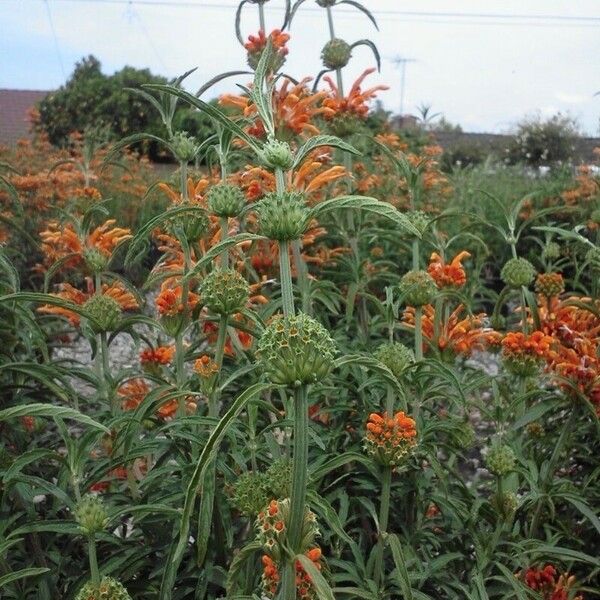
277	154
226	200
193	225
522	365
91	514
506	504
593	257
336	54
283	216
419	219
104	312
344	125
225	291
535	429
418	288
250	494
95	260
518	272
396	357
551	251
278	478
296	350
500	459
109	589
184	146
275	62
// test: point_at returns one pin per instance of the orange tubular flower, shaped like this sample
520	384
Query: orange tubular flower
195	191
355	103
458	335
58	241
206	367
390	439
448	275
551	587
124	298
162	355
168	410
169	301
132	393
257	43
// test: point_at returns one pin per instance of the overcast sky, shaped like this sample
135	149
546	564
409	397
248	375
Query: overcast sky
484	74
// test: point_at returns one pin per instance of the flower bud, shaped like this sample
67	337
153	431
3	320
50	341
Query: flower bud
396	357
193	225
506	504
336	54
278	478
283	216
224	291
95	260
296	350
418	288
91	515
184	147
277	154
250	493
551	251
535	430
500	459
108	589
226	200
550	284
419	220
390	439
104	312
326	3
518	272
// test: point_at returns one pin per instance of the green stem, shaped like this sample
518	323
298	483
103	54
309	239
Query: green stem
224	235
219	354
299	468
95	573
338	72
261	16
384	513
285	274
415	255
183	180
105	370
302	277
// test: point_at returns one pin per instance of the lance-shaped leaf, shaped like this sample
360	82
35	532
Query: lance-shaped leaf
22	574
218	78
136	138
400	562
373	48
212	111
362	10
206	456
216	250
368	204
319	141
318	581
260	95
39	409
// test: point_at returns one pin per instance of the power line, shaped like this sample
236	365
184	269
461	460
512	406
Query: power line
56	44
551	20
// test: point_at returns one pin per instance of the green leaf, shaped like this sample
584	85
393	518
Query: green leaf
368	204
321	586
318	141
399	561
180	543
584	509
15	575
48	410
547	550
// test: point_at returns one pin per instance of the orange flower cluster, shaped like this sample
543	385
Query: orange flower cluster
206	367
257	43
448	274
116	291
355	103
457	335
551	587
162	355
523	353
389	439
169	301
133	392
212	329
304	586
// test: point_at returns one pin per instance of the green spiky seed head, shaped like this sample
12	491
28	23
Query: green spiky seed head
184	146
535	430
225	291
593	258
551	251
278	478
192	225
465	435
296	350
283	216
506	504
550	284
272	524
91	515
108	589
418	288
500	459
226	200
518	272
522	365
396	357
344	124
95	260
104	313
250	493
336	54
326	3
419	219
277	154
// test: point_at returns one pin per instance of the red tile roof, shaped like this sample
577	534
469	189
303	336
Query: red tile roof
14	112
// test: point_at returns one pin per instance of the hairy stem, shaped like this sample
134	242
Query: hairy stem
285	273
94	571
384	513
224	235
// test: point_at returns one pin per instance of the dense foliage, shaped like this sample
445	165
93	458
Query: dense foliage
355	377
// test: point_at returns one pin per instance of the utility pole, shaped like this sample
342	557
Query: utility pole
401	62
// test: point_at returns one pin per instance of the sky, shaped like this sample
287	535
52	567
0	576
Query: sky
484	73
